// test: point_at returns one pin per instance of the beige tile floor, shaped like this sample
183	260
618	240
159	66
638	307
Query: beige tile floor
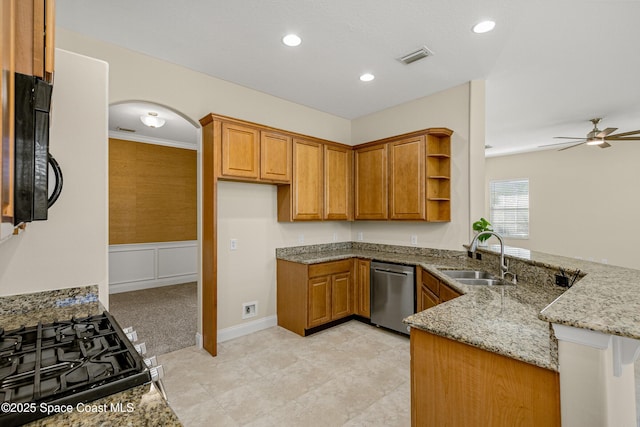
350	375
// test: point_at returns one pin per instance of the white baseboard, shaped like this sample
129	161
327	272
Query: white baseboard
147	284
247	328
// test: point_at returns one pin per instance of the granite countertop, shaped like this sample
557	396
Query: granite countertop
513	321
139	406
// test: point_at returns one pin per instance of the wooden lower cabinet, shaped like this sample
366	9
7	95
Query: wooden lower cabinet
363	288
313	295
432	291
455	384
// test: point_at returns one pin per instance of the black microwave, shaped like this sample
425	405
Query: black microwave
32	195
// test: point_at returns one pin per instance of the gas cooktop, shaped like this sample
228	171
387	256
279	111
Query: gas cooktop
46	367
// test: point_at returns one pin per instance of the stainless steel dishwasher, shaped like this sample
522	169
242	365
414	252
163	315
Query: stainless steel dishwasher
392	294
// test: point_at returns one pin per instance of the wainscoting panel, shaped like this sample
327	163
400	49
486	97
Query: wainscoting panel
149	265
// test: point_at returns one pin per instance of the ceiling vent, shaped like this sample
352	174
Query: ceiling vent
419	54
125	129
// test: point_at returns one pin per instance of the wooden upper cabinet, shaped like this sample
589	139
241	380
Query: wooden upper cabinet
406	179
338	189
6	124
371	182
35	38
240	151
307	185
275	157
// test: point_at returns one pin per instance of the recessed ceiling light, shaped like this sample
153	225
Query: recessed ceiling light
483	27
367	77
291	40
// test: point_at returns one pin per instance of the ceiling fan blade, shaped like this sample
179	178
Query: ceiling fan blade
606	132
633	132
569	137
628	138
604	145
560	143
566	148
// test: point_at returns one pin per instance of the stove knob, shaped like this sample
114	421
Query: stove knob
132	335
151	361
157	373
141	348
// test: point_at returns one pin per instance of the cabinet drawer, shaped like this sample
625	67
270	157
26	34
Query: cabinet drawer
333	267
431	282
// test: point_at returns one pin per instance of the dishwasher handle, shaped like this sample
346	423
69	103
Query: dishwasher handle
399	273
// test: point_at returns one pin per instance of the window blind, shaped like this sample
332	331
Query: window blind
509	207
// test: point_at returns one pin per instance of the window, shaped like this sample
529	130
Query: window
509	207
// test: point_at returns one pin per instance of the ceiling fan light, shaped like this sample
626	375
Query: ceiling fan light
152	120
595	141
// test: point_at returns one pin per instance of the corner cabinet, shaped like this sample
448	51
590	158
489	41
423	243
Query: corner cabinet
431	291
405	177
338	191
313	295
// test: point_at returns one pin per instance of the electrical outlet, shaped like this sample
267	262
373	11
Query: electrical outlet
335	237
234	244
360	236
414	239
249	309
300	238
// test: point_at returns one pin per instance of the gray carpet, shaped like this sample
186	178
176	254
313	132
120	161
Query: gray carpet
165	318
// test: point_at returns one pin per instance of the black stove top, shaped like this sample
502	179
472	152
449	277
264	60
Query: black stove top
64	363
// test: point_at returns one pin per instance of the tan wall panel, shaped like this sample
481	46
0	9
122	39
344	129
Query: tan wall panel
152	193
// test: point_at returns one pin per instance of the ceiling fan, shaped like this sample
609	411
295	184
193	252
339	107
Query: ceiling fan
598	137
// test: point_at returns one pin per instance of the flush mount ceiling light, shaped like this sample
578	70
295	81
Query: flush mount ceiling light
367	77
291	40
152	120
483	27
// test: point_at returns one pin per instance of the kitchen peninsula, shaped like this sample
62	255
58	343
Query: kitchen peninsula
518	325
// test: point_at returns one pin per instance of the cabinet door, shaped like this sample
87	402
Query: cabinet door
34	39
6	123
337	183
240	151
447	293
307	180
341	295
319	301
371	182
406	179
427	298
363	288
275	157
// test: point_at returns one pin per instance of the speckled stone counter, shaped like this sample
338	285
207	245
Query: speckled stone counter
513	321
139	406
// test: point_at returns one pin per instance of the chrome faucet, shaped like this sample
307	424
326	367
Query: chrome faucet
504	266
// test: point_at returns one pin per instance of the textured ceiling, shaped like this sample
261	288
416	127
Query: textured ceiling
550	65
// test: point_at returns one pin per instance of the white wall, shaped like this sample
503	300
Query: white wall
452	109
584	202
247	212
133	76
70	248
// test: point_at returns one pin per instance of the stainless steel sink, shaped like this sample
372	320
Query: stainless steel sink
468	274
475	278
483	282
